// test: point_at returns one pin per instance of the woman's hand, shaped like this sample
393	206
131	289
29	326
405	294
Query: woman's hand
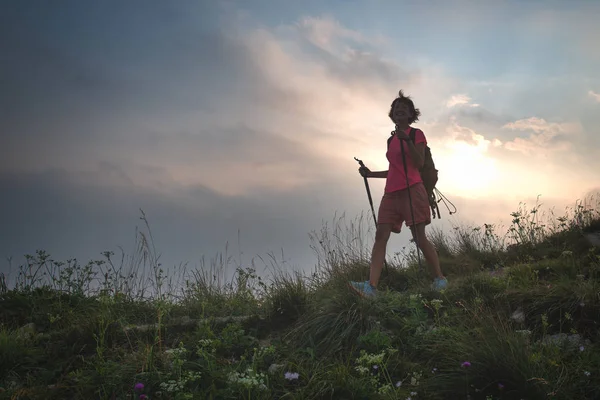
365	172
400	134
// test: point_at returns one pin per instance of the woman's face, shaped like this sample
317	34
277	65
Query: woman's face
401	112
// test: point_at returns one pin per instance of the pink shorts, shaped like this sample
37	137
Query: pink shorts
395	207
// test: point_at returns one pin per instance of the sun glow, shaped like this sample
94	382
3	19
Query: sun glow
466	170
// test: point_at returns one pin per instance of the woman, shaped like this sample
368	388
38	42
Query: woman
395	206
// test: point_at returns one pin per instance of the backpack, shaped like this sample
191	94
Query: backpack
429	174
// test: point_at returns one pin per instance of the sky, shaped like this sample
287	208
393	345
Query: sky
234	125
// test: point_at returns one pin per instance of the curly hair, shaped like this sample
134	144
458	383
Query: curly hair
408	101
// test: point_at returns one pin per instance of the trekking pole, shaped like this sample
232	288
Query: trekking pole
368	191
412	214
371	203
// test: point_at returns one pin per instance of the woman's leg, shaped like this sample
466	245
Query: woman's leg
417	206
382	235
428	249
388	218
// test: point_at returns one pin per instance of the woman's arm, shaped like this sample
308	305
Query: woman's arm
378	174
367	173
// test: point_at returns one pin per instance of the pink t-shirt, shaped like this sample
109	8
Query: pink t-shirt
396	178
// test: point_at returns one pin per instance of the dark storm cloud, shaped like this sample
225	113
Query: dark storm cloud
96	81
84	59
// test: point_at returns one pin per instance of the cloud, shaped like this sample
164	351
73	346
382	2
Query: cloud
539	125
460	100
329	35
458	132
480	160
547	136
595	96
213	131
274	130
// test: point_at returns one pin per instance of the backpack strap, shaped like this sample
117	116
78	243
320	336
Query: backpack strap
412	134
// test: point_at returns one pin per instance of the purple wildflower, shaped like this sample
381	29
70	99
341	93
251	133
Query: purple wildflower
466	364
139	386
375	366
143	397
291	375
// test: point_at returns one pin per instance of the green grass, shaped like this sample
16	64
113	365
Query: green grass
96	330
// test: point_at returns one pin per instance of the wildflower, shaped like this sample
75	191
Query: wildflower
581	348
500	386
362	370
414	380
433	371
399	383
466	364
139	386
437	304
586	373
143	397
291	376
375	366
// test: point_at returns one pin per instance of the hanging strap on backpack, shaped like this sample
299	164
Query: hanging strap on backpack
444	199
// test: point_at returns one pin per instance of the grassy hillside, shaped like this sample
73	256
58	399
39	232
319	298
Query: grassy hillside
518	321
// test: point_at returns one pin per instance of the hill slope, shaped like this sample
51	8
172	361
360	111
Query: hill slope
518	321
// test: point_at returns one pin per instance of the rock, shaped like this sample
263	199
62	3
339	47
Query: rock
518	315
27	330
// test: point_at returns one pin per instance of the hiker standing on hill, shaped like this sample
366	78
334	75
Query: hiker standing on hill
395	205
